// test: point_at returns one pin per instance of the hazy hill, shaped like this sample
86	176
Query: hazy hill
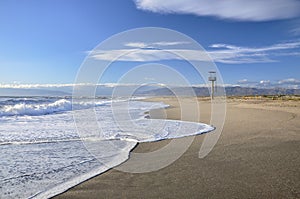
149	90
230	91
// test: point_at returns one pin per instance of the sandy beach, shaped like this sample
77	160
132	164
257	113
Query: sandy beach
257	156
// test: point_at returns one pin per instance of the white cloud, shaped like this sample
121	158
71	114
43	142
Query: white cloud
222	53
243	81
265	82
46	86
240	10
29	86
291	81
246	82
255	84
144	55
280	46
238	54
167	43
136	44
284	83
153	45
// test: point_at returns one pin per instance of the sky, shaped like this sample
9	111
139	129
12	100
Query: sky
253	43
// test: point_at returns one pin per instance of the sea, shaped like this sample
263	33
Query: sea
43	140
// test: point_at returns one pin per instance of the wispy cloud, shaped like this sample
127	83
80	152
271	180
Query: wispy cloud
29	86
48	86
258	84
222	53
284	83
225	53
295	31
136	44
280	46
295	27
291	81
144	55
246	81
240	10
154	45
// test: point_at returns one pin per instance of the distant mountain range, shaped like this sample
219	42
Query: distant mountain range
149	90
230	91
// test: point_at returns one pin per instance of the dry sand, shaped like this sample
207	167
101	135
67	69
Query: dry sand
257	156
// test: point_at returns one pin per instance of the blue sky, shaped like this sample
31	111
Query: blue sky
252	42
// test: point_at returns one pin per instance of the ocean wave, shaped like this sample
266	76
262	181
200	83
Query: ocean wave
54	154
22	108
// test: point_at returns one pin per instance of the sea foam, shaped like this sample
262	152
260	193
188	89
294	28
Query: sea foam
42	153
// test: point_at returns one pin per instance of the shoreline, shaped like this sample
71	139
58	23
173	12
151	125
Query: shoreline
64	187
264	143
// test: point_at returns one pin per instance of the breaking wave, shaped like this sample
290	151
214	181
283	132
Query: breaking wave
34	108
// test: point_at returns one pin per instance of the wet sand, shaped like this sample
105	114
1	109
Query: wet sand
257	156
